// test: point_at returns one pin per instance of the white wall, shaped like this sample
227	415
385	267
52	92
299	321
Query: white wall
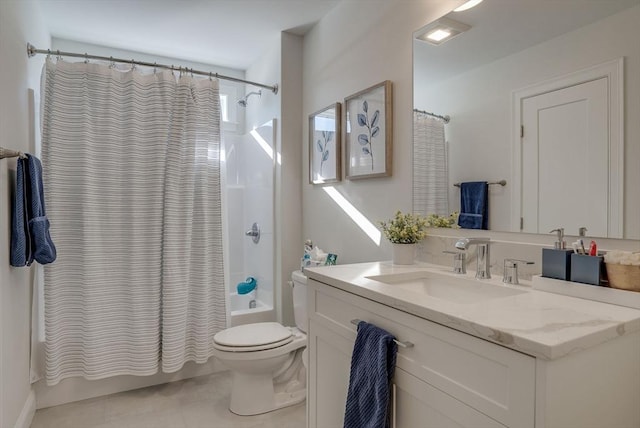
350	49
480	103
290	174
93	49
282	64
20	22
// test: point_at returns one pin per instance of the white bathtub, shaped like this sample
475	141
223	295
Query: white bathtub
242	314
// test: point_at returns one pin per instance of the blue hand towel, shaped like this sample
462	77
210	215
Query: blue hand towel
372	365
474	205
30	239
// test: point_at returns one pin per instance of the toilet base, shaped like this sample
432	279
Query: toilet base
256	394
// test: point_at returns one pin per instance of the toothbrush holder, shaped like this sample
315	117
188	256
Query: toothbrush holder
588	269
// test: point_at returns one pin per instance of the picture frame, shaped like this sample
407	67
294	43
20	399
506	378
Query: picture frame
369	132
325	145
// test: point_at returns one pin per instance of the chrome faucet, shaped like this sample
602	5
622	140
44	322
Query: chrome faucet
510	273
483	263
459	261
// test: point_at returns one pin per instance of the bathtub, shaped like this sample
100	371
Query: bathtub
242	314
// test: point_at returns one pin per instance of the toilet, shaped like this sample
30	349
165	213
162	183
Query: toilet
266	359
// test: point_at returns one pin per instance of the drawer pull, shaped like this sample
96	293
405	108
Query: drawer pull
399	343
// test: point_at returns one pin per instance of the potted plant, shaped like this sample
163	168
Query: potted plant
404	231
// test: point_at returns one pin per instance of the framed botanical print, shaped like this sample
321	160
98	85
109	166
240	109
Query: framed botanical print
369	132
324	145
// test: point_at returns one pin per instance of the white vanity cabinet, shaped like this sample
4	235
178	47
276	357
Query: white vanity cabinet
447	379
453	379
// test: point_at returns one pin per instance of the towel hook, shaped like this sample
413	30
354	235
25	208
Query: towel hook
404	344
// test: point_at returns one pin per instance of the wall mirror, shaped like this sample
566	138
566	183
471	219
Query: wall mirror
529	63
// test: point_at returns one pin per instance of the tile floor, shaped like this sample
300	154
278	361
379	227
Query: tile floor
200	402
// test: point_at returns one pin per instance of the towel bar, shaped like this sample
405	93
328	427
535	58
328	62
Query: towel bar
399	343
7	153
501	182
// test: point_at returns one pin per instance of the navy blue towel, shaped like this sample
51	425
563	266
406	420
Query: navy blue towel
30	239
474	205
372	365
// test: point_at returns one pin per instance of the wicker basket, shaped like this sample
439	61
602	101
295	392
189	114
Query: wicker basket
626	277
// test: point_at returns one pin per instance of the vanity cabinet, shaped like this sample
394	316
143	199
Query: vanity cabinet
447	379
453	379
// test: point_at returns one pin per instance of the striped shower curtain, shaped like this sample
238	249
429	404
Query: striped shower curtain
430	166
132	183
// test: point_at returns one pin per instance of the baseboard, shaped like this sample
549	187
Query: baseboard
28	411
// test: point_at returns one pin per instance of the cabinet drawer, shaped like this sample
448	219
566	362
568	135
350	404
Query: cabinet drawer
494	380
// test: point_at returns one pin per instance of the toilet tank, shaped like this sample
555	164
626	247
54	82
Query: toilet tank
300	300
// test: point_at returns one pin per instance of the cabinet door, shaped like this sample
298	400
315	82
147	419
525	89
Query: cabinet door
418	404
329	366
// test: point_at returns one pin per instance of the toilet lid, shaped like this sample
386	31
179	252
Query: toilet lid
256	335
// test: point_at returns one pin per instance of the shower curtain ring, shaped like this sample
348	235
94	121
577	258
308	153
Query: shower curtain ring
133	65
112	63
86	58
59	57
155	65
192	73
210	78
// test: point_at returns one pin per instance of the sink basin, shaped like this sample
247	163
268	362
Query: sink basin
452	289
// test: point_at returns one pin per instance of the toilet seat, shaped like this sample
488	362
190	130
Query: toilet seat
253	337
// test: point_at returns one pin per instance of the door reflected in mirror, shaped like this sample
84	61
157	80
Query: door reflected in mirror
568	73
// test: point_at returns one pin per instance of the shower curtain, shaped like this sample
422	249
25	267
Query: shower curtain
430	169
132	182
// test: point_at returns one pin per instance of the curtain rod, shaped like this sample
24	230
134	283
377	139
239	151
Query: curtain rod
32	51
445	118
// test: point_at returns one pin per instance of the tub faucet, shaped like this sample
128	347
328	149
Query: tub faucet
252	304
483	264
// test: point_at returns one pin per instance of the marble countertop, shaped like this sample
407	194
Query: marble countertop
537	323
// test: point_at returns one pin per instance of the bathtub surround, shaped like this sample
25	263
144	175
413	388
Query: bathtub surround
139	272
249	190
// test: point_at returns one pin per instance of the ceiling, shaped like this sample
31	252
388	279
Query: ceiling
502	27
229	33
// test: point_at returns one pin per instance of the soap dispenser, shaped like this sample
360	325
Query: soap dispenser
556	261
